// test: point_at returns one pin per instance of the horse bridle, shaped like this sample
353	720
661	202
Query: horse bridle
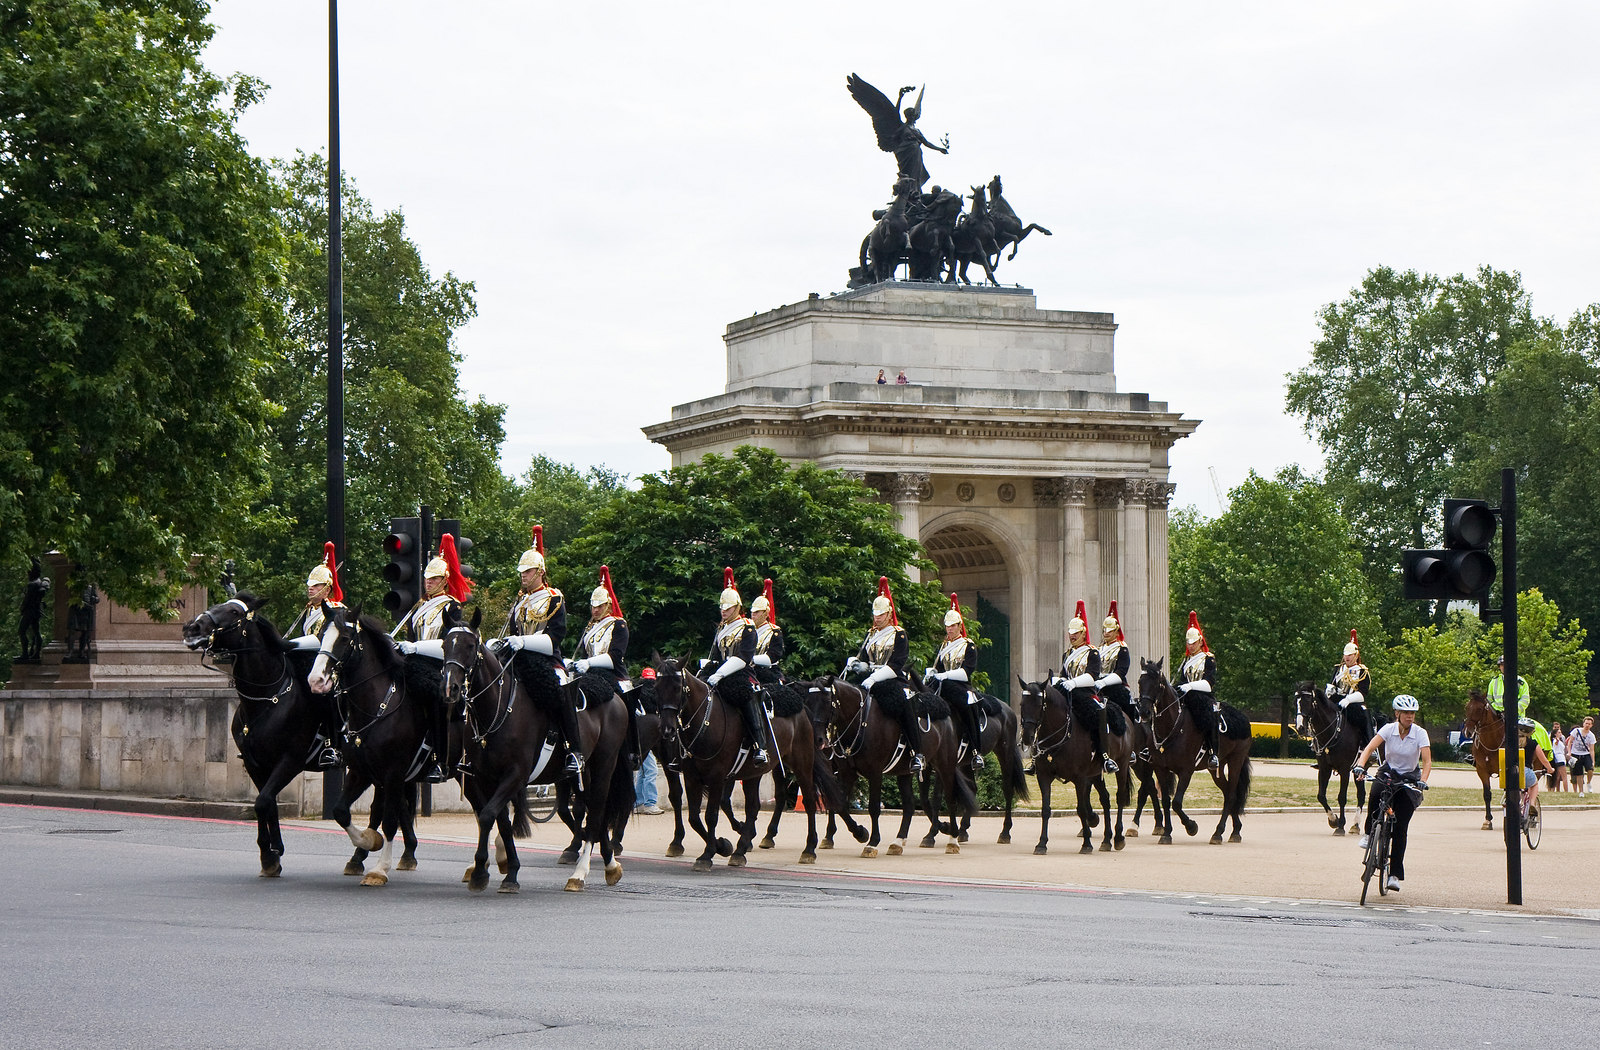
682	719
1156	712
285	680
468	698
350	636
857	723
1045	745
1310	693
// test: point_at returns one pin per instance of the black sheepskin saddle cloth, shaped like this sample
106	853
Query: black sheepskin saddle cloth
990	706
425	677
644	694
536	674
596	689
1089	715
1238	726
890	696
786	702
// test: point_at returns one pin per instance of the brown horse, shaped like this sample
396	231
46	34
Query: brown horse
1487	727
863	740
1179	750
1335	742
709	735
1061	754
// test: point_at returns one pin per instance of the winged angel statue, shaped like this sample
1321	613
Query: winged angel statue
897	136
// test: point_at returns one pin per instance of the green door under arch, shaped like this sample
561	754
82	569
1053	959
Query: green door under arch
995	658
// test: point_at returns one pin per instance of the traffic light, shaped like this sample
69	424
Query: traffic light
1464	570
404	571
452	526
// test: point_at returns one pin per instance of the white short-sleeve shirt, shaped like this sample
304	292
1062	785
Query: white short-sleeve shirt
1403	754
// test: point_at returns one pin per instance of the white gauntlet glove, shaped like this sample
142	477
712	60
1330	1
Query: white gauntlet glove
408	648
582	666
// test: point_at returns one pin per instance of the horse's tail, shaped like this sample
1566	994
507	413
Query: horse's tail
619	799
963	798
1244	787
827	784
520	827
1018	779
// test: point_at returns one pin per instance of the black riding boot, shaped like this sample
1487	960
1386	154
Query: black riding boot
434	772
570	731
1101	731
974	735
752	725
329	730
1211	741
913	732
1362	722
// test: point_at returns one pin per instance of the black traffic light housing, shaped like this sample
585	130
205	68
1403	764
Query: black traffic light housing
404	571
452	527
1464	570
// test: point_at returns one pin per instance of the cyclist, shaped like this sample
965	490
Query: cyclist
1534	761
1407	758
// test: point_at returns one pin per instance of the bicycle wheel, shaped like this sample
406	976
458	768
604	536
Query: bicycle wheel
541	803
1369	865
1532	825
1385	826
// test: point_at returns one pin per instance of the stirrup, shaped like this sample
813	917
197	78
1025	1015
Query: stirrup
1212	762
574	763
1109	765
329	757
434	772
759	756
917	764
977	759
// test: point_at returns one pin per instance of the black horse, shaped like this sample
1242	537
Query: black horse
1000	737
1179	749
1335	742
1048	720
975	241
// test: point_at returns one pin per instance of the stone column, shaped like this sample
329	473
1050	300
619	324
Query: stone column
1157	495
1135	581
1106	583
907	490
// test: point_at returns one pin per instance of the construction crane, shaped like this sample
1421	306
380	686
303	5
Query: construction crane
1216	487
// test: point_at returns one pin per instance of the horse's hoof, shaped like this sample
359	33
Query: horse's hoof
1165	840
736	861
466	876
354	868
1086	848
1488	825
702	864
859	832
1192	828
825	844
1216	840
1119	842
1004	839
509	885
574	885
724	848
871	851
406	864
928	843
1235	837
568	856
895	849
370	840
1338	829
374	878
1333	822
613	873
478	883
1105	847
961	837
675	849
1039	851
808	858
272	872
952	847
1132	833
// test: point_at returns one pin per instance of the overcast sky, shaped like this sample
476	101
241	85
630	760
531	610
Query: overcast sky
620	181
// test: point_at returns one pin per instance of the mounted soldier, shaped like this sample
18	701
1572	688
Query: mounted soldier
952	671
769	637
883	656
444	589
1351	685
1196	684
733	649
321	586
601	658
1080	669
1115	663
535	629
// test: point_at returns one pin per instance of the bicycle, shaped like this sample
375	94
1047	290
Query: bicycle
1375	861
1532	820
541	802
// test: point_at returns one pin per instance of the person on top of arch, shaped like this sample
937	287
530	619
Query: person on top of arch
1351	685
321	586
952	669
1080	669
1115	663
444	589
1197	682
733	649
602	652
769	637
883	657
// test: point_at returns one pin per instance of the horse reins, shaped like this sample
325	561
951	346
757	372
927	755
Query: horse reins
1046	745
502	711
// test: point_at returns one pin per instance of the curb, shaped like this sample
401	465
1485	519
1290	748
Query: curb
166	807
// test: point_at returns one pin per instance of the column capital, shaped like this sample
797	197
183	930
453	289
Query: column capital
1109	492
907	486
1058	491
1149	491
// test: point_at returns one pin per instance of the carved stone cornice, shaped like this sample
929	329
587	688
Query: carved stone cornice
1109	492
909	486
1054	492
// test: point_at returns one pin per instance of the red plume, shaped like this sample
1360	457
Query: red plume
1353	638
458	586
727	578
1194	621
772	603
605	581
1121	636
335	592
1082	613
883	589
956	605
538	539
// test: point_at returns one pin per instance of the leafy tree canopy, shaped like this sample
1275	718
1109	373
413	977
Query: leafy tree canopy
137	244
1278	583
816	533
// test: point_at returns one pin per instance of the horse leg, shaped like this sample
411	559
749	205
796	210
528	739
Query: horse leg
675	796
1124	789
1189	826
928	796
1099	784
1165	780
477	877
1344	795
1323	773
780	798
1488	812
1044	807
512	863
908	812
366	839
747	830
269	835
408	830
378	875
874	807
580	869
808	786
1086	815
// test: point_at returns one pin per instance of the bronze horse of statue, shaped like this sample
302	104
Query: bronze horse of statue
975	241
1008	229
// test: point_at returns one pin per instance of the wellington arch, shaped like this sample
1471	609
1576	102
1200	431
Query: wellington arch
1009	453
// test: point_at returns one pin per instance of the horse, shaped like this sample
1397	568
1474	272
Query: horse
864	740
931	242
1487	727
1061	754
387	721
1178	749
999	735
885	248
708	736
1336	742
1008	229
974	238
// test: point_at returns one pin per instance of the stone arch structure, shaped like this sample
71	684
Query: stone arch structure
1010	437
981	556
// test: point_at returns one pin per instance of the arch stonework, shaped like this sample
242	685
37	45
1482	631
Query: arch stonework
1011	424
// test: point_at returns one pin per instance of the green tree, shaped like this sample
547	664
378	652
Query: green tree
1278	583
1397	389
137	245
1550	655
1437	666
816	533
411	437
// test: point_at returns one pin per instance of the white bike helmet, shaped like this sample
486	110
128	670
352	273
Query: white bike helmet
1405	702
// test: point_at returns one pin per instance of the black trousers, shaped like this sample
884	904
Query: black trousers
1404	803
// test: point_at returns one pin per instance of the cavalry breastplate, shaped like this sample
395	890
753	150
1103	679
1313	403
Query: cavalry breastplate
880	645
729	635
952	654
1347	677
1109	655
1194	668
428	618
1077	661
534	610
596	640
764	636
312	620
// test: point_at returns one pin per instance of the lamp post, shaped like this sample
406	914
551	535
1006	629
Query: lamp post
333	779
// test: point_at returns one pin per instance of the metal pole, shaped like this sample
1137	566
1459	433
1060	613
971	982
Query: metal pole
333	779
1511	691
426	796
